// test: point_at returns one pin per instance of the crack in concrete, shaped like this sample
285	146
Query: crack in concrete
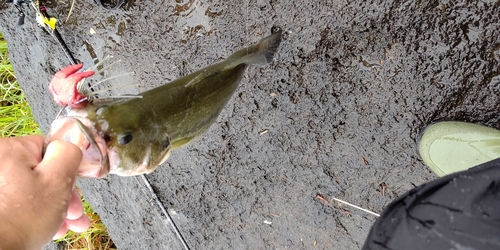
154	197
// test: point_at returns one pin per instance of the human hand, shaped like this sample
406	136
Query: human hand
37	196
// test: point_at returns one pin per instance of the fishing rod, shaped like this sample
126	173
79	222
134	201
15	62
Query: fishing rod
43	19
49	23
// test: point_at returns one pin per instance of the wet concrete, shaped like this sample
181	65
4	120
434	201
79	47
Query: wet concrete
352	85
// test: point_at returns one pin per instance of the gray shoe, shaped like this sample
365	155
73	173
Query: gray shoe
449	147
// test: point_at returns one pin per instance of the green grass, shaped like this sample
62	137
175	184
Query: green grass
15	113
16	119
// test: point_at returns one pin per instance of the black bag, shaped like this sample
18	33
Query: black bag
457	211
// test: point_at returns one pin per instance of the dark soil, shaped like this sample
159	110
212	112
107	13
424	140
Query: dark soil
350	88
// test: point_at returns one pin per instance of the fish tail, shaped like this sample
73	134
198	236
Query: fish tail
260	53
268	46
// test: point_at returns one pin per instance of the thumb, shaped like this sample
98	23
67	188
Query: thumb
60	162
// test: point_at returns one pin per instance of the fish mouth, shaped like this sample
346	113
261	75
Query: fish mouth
95	162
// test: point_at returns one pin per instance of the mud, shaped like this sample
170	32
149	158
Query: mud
336	114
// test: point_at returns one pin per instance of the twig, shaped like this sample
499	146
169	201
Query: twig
322	199
347	203
354	206
364	161
382	186
70	10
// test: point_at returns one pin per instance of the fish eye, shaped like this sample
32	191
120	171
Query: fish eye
125	138
165	144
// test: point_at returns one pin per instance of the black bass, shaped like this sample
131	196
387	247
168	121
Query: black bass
134	136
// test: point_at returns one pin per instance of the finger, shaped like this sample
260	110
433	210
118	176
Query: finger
25	151
75	208
61	232
33	143
79	225
60	162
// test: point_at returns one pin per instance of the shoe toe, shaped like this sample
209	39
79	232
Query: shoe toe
449	147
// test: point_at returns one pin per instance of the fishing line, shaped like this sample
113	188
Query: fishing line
164	211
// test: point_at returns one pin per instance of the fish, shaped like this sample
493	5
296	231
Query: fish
135	135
